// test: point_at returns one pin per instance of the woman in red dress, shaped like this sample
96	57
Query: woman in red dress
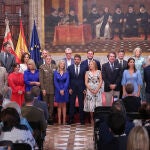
16	82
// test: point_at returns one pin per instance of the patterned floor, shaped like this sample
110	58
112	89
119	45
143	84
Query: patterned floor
103	46
69	137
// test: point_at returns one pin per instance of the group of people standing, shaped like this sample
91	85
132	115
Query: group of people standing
72	78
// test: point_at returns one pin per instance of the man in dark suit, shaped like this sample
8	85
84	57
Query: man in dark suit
76	87
35	91
68	60
111	74
6	58
123	65
90	57
42	61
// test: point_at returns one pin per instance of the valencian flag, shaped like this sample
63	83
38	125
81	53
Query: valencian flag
21	44
35	48
8	38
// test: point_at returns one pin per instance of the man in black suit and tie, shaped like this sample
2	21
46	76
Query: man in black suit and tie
6	58
111	74
76	87
90	55
68	60
123	65
42	61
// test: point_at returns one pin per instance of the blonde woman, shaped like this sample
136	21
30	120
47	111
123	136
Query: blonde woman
61	83
93	82
140	63
31	76
138	139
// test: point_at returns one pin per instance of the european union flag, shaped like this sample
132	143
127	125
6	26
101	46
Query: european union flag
35	48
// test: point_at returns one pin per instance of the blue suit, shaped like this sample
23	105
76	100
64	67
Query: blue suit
85	63
77	84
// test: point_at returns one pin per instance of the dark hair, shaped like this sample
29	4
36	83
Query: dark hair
129	88
131	58
145	109
121	51
78	56
23	56
15	65
35	91
6	43
10	118
116	121
90	51
118	106
28	97
112	52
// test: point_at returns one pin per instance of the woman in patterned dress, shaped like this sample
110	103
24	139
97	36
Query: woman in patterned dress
93	82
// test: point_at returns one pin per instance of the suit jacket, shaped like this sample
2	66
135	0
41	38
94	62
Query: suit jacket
77	82
72	61
111	77
34	114
46	77
10	61
3	80
42	105
147	78
125	64
85	63
41	62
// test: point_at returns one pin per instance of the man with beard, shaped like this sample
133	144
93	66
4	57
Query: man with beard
131	25
93	19
117	22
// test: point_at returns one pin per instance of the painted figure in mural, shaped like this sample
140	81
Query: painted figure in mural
143	18
103	28
117	22
131	24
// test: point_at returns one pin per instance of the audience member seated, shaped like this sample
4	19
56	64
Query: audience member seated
32	113
116	123
105	136
12	130
138	139
23	121
132	103
39	104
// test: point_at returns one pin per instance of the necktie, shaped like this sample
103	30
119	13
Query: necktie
6	58
121	63
77	70
112	66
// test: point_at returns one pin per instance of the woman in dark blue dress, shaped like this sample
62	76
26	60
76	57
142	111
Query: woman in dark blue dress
61	83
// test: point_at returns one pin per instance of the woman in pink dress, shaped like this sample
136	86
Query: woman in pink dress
16	82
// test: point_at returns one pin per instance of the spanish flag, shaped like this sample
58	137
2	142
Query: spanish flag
8	38
21	44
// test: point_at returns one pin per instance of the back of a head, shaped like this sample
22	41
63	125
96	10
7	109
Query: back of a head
129	88
118	106
13	105
28	97
35	91
10	118
138	139
116	122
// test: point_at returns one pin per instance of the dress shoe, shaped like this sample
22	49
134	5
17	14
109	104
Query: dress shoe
50	122
82	123
70	122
